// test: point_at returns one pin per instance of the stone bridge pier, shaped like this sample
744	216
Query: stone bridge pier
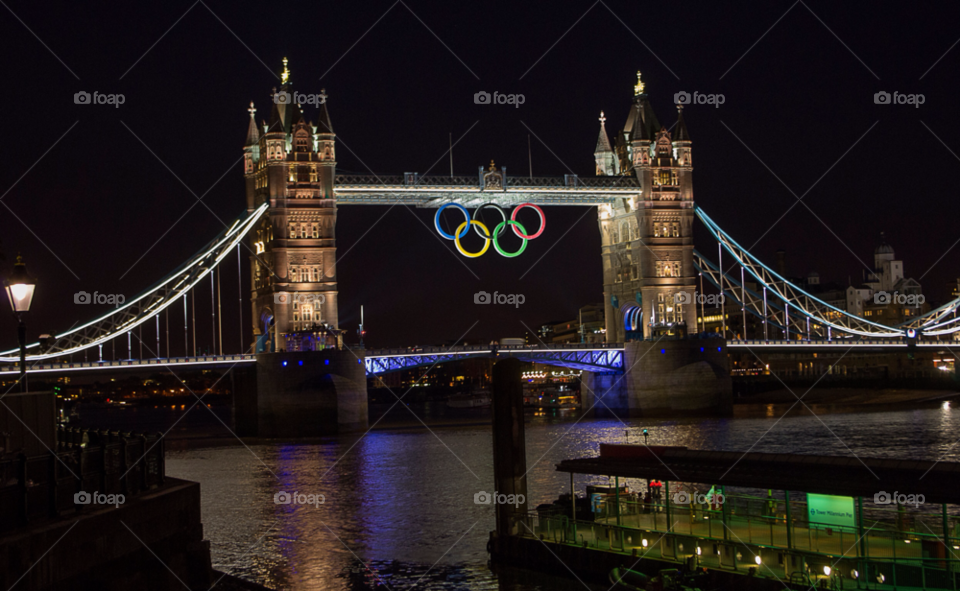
303	394
680	377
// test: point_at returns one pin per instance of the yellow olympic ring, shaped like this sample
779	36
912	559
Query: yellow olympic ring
486	241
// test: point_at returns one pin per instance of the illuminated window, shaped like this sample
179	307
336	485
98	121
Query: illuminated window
293	230
294	277
315	230
303	230
656	231
301	141
292	176
674	180
313	174
676	230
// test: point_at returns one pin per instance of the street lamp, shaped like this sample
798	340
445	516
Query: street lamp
19	287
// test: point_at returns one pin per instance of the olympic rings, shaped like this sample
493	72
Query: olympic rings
486	241
496	244
543	221
484	232
503	215
436	220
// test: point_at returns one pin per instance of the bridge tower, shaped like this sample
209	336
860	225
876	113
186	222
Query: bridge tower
647	240
292	164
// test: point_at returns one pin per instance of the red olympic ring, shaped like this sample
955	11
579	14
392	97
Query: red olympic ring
543	221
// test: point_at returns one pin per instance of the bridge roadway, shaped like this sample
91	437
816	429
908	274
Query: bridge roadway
598	357
595	357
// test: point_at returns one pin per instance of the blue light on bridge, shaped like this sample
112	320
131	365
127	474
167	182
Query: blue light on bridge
663	351
300	362
603	358
284	363
327	361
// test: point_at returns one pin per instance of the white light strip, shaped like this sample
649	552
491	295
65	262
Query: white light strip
832	344
133	366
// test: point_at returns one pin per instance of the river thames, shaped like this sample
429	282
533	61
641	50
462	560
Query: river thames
403	501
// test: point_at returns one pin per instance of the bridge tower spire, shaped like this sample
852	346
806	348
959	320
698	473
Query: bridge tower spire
293	272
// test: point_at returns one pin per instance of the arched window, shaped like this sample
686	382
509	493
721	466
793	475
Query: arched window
302	141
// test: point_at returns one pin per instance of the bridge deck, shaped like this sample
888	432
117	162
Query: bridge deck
469	191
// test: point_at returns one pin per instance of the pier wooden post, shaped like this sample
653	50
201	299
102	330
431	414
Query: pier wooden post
509	449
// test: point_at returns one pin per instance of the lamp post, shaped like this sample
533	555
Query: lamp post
20	287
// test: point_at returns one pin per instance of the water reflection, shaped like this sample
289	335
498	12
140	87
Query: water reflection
404	501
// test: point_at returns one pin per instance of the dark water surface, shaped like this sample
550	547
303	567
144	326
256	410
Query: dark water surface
403	501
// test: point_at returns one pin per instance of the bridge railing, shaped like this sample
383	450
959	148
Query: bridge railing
413	180
838	342
484	348
86	462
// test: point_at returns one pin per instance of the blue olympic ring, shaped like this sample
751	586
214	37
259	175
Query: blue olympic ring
436	220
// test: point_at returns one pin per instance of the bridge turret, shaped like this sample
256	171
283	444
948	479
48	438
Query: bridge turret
683	156
251	156
607	164
326	147
681	140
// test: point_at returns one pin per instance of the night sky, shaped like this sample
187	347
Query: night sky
97	197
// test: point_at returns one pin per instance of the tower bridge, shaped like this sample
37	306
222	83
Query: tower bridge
643	192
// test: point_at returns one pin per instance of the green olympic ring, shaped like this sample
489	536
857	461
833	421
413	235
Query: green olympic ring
496	235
